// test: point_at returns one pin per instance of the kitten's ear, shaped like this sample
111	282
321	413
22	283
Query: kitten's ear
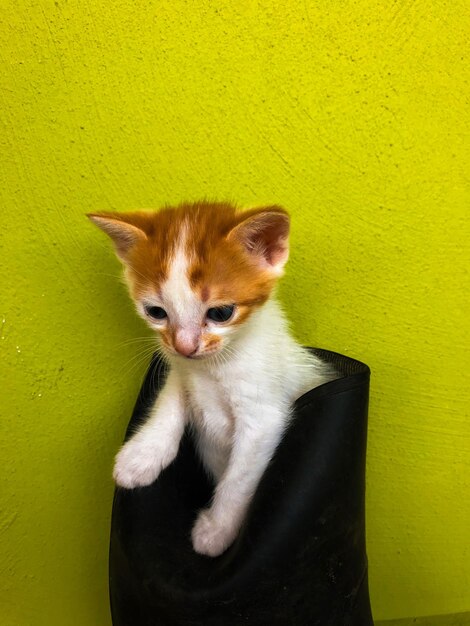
264	233
121	230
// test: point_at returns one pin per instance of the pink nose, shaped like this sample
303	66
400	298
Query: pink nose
186	344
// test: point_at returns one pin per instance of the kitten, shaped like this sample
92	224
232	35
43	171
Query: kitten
202	276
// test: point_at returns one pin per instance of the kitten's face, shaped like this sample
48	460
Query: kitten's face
197	272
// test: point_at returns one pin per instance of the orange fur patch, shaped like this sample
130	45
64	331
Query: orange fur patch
211	341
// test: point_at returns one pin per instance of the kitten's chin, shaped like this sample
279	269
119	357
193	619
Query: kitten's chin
203	355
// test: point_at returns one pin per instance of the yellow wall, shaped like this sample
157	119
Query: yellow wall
355	116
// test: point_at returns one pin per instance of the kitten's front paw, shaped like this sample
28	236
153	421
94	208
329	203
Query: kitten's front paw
139	463
210	536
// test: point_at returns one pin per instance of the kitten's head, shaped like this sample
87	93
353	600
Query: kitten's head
198	271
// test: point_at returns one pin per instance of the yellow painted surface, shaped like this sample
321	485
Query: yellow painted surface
355	116
456	619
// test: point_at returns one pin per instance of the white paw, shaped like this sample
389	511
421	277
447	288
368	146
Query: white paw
210	536
139	463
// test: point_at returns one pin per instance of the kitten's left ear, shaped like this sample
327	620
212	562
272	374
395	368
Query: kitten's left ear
124	229
264	233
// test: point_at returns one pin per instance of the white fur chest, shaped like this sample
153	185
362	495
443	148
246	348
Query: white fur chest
209	407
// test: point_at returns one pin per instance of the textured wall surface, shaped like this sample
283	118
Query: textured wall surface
355	116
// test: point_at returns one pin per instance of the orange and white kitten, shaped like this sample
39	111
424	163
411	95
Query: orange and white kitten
202	276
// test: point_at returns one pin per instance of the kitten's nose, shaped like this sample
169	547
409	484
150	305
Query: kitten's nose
186	343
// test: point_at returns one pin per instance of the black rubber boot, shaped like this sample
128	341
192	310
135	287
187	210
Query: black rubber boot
300	558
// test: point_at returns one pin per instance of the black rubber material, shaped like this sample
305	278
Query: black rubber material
300	558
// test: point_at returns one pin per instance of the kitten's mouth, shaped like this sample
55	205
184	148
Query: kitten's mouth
199	356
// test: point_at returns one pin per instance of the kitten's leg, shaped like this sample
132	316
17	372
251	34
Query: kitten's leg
254	445
155	444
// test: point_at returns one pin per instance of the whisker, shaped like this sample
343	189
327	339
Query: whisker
139	340
136	361
116	276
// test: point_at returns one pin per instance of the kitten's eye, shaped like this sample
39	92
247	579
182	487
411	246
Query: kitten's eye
156	312
221	313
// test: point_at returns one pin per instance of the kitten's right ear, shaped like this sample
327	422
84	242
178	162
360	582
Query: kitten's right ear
264	233
124	234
